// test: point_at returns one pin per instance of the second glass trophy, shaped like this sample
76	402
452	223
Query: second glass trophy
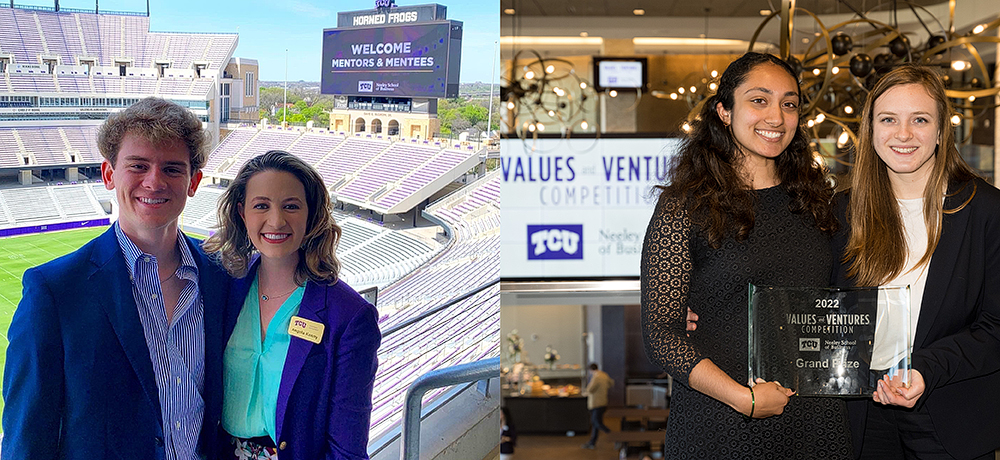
829	341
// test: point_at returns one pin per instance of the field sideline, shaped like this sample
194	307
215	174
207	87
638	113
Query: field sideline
20	253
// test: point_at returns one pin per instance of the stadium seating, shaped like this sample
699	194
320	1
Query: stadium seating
100	85
52	204
348	159
371	255
227	149
440	165
49	146
445	338
265	140
28	34
389	177
9	149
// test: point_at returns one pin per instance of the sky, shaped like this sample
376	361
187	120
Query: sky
268	27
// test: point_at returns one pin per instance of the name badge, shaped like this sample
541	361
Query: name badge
305	329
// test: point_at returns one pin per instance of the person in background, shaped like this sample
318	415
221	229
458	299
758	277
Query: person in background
116	348
508	435
597	402
301	358
916	214
745	203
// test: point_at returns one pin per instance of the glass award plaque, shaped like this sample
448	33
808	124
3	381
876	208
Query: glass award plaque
829	341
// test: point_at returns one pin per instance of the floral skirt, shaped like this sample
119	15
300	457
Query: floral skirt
254	449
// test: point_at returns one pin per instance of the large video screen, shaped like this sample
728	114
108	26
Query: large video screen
578	208
404	61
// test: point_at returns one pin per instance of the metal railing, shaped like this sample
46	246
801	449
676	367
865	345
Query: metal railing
469	372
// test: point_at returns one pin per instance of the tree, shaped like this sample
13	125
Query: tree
271	98
474	113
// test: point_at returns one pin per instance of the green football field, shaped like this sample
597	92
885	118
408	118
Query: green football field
20	253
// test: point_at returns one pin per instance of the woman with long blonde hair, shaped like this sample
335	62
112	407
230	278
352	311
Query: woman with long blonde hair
916	214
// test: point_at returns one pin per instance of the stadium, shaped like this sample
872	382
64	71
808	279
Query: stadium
420	214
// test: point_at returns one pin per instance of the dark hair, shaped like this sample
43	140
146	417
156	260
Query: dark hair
318	253
876	248
156	121
705	179
506	416
593	366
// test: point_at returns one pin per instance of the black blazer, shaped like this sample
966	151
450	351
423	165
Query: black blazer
957	342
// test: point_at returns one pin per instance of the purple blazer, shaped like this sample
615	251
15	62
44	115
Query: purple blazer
325	396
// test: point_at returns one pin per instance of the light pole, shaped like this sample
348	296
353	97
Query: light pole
493	79
284	99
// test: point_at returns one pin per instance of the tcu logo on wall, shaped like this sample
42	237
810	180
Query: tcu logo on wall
555	242
366	86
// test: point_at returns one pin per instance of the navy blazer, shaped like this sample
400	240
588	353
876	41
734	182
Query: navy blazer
325	395
957	341
78	382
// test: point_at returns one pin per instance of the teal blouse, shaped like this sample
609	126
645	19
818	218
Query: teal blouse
252	368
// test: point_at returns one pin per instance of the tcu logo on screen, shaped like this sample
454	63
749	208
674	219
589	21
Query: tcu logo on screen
555	242
808	344
366	86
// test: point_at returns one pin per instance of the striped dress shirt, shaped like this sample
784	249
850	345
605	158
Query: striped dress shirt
177	349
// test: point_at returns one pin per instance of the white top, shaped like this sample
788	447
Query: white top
888	333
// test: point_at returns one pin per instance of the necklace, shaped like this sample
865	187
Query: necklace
266	297
173	273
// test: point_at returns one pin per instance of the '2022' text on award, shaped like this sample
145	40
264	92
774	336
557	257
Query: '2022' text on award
829	341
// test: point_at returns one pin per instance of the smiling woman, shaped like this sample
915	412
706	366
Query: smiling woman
905	131
278	235
741	188
917	215
275	214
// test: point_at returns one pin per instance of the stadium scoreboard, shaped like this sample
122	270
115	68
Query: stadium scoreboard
411	51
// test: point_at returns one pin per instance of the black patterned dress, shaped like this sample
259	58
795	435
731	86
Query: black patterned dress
680	269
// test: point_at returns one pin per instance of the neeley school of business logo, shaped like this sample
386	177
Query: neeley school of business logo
366	86
554	242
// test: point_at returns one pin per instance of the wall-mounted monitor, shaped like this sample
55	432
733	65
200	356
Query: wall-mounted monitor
619	73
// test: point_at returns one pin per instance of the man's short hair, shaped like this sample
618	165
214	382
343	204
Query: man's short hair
156	121
593	366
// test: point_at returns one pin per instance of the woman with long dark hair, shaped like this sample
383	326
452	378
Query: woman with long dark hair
746	202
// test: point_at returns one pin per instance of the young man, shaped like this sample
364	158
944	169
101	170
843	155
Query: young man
116	349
